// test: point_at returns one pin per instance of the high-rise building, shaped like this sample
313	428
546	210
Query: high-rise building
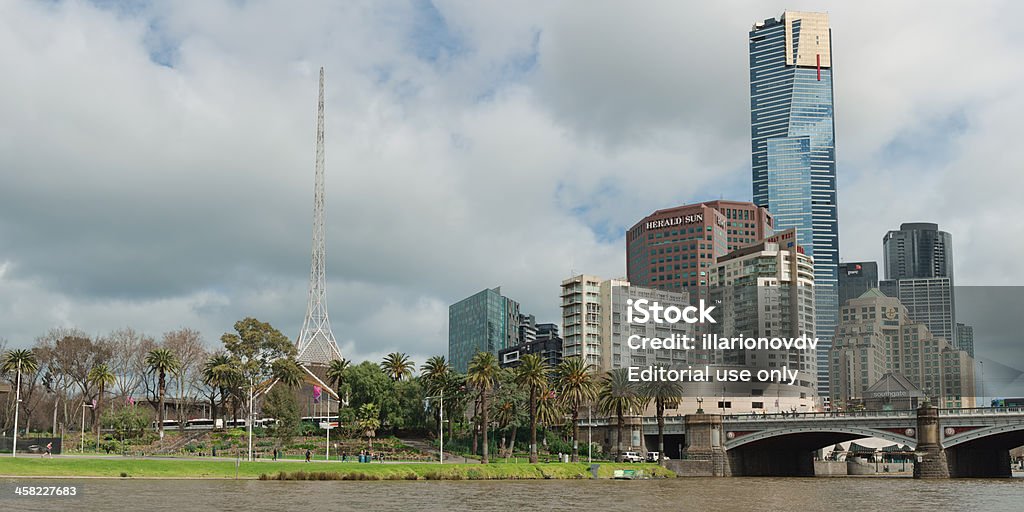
919	271
483	322
965	338
877	335
855	278
918	250
616	329
793	152
674	249
546	343
767	290
581	310
527	329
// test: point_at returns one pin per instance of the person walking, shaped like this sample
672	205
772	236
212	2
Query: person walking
309	455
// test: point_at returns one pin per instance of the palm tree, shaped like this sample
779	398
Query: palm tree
216	375
576	385
369	421
618	395
100	376
287	372
663	393
397	366
20	361
435	374
336	374
162	361
483	373
532	372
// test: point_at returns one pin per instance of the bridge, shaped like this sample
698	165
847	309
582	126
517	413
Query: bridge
973	442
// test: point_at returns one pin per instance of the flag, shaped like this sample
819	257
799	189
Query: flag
316	394
131	400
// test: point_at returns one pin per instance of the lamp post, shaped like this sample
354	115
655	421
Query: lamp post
590	430
84	405
17	404
248	421
327	451
982	365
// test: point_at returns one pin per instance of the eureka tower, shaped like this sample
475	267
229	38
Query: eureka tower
792	138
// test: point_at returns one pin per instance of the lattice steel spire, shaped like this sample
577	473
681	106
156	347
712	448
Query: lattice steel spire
316	343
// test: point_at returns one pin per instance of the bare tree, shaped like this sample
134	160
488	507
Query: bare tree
127	360
187	345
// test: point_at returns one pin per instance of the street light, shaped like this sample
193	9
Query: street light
17	404
590	429
982	364
327	452
248	422
84	405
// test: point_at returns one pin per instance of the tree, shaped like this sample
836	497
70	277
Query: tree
281	405
101	377
369	385
287	372
483	373
618	395
162	362
435	374
397	366
510	403
187	346
16	363
663	393
369	421
576	385
532	372
336	374
221	374
128	356
255	346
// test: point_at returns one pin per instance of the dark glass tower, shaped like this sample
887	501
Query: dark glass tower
792	139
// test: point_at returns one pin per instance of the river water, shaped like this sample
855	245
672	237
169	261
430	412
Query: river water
725	494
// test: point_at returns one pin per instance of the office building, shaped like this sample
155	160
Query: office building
793	153
674	249
876	336
767	290
484	322
855	278
965	338
546	343
918	250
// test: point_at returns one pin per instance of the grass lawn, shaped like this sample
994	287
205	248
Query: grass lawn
199	468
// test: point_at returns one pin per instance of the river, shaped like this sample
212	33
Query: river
725	494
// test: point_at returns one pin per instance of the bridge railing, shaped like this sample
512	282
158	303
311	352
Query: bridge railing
981	411
817	415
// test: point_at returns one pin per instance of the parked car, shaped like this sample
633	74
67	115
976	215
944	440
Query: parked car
653	457
631	457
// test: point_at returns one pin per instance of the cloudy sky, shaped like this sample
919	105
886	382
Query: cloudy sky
156	158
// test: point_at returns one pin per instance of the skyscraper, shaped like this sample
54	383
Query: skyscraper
483	322
919	271
855	278
918	250
792	139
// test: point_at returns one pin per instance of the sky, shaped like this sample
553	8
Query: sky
156	158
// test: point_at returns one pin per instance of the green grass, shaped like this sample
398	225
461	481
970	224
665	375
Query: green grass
197	468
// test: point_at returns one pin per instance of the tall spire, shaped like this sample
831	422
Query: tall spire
316	343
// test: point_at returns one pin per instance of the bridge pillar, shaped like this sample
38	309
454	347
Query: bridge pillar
705	441
931	457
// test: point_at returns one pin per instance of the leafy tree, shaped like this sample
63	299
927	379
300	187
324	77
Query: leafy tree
101	376
618	396
280	404
397	366
510	405
409	412
255	346
483	373
369	385
576	385
663	393
129	422
162	362
532	372
219	374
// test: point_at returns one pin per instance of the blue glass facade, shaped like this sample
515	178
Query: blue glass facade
484	322
793	149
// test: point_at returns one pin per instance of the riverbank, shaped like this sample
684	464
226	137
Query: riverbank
67	467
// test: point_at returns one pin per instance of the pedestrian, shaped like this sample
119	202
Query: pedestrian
343	456
49	448
309	455
275	454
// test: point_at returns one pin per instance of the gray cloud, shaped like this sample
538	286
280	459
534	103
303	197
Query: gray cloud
156	163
